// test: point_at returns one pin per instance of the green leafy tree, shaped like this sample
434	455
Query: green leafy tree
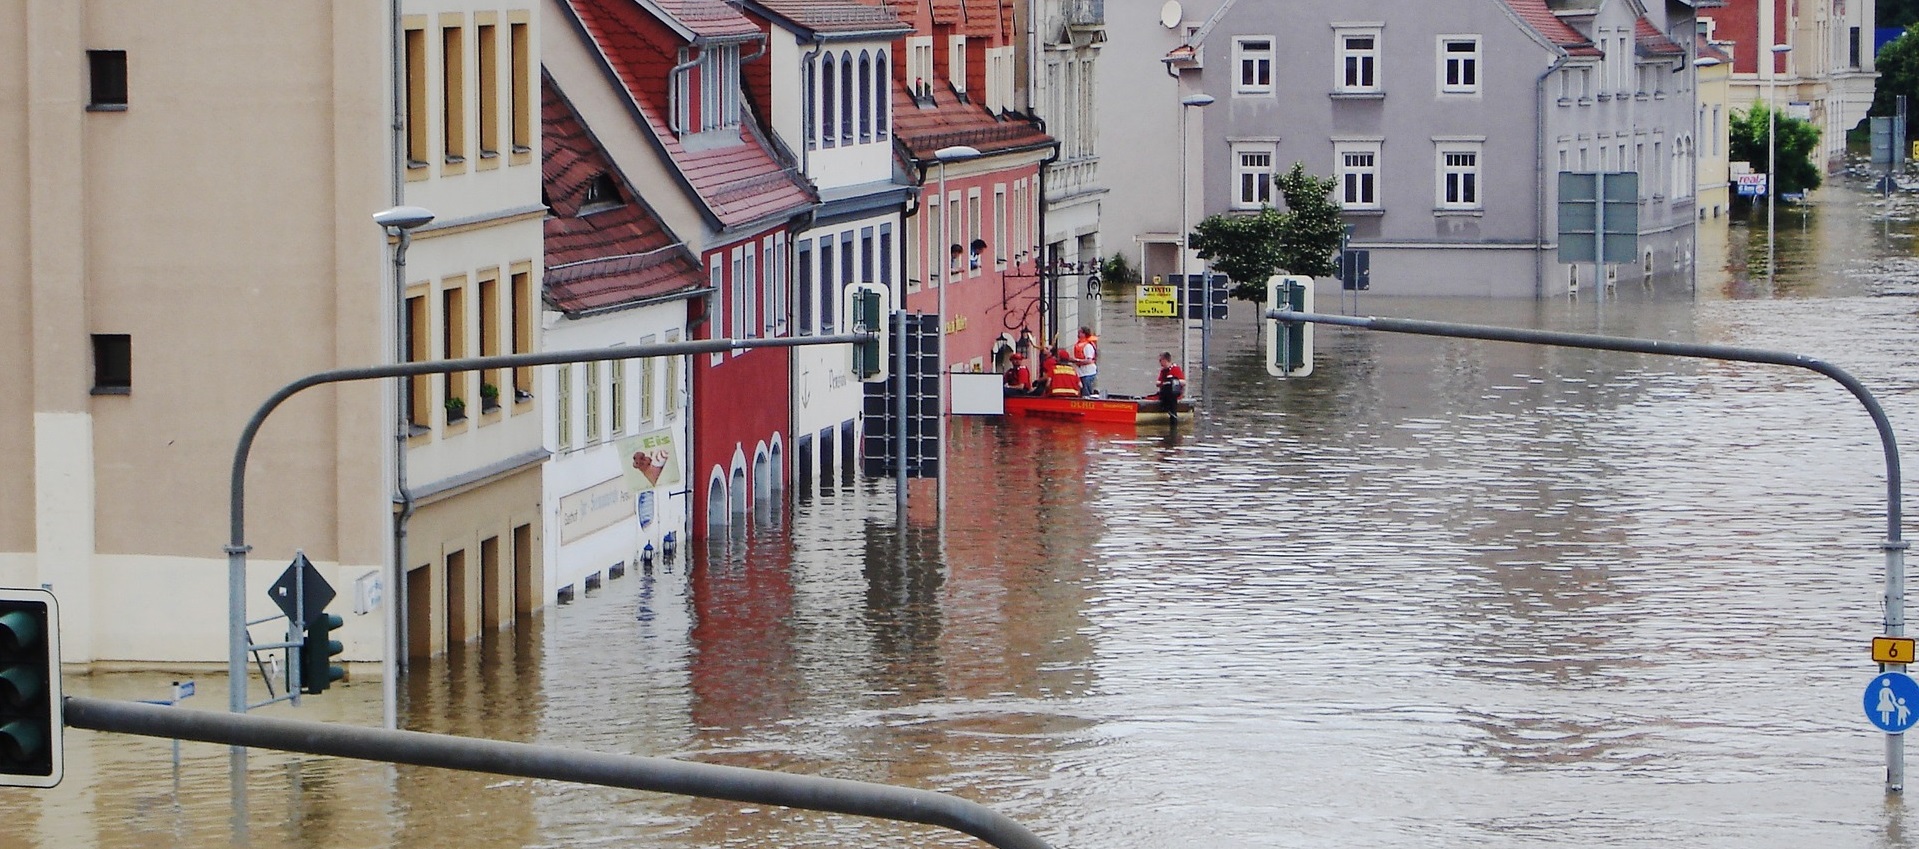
1898	66
1798	144
1248	248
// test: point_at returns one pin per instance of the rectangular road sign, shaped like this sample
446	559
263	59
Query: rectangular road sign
1892	649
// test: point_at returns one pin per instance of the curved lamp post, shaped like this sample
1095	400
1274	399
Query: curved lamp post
955	153
1186	104
1772	150
398	222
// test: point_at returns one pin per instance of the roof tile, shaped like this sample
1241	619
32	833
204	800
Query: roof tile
836	15
1651	42
739	182
608	257
921	130
1540	17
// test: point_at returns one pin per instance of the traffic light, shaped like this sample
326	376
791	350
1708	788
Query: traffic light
1289	344
30	720
316	654
866	308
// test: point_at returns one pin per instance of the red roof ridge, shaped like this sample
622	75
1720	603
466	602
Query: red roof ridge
1539	16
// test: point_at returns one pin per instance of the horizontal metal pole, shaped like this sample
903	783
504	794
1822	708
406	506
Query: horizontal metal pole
660	775
1889	445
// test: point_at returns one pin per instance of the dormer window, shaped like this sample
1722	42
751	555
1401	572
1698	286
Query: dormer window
601	193
706	97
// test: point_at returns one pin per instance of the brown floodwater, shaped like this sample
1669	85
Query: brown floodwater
1440	593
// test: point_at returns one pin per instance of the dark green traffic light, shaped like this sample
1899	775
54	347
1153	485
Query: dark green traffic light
30	722
316	654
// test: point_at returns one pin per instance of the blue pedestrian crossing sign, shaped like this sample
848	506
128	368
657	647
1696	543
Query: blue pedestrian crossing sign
1892	702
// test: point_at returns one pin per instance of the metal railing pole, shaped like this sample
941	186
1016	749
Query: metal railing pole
661	775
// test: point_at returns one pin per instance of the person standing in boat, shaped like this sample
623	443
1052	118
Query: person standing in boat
1172	385
1064	377
1017	381
1086	362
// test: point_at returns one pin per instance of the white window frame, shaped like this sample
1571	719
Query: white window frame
919	64
1459	71
1250	59
649	387
956	62
1363	61
562	407
1352	176
1242	170
1459	169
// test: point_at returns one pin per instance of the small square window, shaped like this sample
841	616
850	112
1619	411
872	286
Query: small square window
108	78
112	364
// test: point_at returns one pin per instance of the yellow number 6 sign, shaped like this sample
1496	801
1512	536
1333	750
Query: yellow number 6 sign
1892	649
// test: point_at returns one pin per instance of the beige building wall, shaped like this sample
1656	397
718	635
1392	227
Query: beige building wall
219	216
1715	113
473	277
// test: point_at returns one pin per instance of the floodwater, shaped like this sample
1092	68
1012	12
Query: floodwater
1441	593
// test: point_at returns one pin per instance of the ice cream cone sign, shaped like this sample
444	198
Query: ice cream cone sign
652	460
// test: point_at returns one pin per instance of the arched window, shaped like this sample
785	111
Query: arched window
828	127
882	99
846	97
716	514
867	101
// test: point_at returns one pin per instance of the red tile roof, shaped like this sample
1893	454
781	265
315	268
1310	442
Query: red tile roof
1651	42
739	183
834	15
1537	15
921	130
610	257
706	18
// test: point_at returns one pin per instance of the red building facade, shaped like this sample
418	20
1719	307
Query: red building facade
672	69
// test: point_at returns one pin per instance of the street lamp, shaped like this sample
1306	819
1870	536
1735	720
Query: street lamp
1186	104
398	222
1772	150
956	153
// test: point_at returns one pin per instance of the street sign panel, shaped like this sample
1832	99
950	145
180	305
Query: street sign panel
1750	185
1598	217
1892	649
316	591
1156	300
1892	702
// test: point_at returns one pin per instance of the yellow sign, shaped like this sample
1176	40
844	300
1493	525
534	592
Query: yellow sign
1892	649
1156	300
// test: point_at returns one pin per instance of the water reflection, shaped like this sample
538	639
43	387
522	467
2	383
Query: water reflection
1441	593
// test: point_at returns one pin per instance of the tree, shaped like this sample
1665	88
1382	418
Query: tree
1898	66
1798	144
1248	248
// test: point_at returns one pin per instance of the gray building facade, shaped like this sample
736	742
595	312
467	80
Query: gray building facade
1446	124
